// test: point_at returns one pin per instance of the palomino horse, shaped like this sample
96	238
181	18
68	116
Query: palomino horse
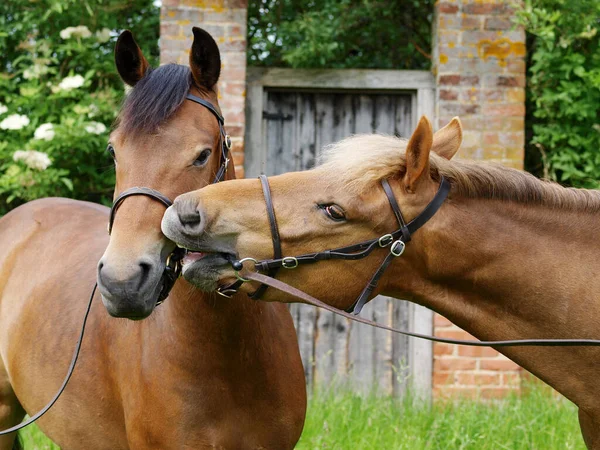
198	373
506	256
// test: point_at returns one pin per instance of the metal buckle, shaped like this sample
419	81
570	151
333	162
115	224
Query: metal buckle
227	293
289	262
397	248
228	142
386	240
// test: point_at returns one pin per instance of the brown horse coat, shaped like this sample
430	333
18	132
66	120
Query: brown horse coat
200	372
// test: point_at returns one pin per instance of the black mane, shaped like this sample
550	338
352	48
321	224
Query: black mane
155	98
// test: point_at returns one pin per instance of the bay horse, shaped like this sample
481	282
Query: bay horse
506	256
197	373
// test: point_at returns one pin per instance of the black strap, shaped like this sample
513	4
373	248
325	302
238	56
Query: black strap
224	139
283	287
148	192
70	370
397	212
208	105
275	238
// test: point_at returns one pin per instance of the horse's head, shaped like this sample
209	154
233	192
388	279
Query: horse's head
339	203
165	142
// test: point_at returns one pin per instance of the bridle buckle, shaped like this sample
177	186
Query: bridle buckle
225	292
397	248
386	240
228	142
289	262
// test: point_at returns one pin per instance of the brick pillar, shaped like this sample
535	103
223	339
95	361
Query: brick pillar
225	20
479	65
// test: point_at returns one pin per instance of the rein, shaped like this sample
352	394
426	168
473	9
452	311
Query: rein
396	241
172	266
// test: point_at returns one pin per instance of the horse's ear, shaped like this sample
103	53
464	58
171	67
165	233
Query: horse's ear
417	154
130	61
205	59
446	141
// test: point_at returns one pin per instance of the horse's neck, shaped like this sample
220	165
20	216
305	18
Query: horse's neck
507	271
197	322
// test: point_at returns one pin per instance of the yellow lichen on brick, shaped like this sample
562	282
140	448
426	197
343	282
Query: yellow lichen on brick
443	59
183	22
451	44
171	14
501	48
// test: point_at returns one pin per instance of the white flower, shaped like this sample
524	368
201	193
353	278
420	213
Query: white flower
14	122
73	82
3	109
103	35
95	128
80	31
32	159
35	71
44	131
93	110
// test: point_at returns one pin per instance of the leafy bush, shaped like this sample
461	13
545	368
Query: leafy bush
340	33
59	94
564	89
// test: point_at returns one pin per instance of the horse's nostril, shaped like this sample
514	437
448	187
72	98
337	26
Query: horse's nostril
189	218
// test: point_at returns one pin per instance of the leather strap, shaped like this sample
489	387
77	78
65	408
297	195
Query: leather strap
224	139
146	191
208	105
284	287
275	238
397	212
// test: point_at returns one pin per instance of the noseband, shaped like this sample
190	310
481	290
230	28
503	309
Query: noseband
394	241
173	264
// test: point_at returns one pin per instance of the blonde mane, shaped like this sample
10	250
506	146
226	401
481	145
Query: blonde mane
359	162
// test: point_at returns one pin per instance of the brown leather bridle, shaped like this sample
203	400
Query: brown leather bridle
173	264
395	242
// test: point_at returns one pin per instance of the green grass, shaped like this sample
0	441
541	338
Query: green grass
33	439
537	420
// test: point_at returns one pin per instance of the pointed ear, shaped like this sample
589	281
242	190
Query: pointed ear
417	154
446	141
130	61
205	59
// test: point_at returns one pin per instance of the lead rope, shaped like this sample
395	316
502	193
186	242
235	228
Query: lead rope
67	377
284	287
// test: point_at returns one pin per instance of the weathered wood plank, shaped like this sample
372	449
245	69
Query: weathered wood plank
332	79
331	347
404	120
256	151
305	145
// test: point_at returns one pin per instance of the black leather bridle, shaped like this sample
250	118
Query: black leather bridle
395	241
173	264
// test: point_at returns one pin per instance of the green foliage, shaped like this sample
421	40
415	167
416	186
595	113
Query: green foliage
56	67
564	89
340	33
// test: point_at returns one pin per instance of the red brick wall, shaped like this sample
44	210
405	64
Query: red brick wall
479	64
225	20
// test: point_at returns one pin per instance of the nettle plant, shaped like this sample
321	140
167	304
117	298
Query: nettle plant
60	93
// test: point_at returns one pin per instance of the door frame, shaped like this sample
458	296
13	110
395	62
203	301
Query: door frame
419	84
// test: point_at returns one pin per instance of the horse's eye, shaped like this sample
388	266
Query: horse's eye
202	158
110	149
334	212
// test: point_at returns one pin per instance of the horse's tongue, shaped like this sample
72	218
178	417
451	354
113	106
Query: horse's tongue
191	257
